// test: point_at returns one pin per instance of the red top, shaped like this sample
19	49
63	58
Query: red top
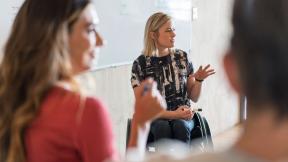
70	128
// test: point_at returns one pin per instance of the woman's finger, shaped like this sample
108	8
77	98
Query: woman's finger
206	67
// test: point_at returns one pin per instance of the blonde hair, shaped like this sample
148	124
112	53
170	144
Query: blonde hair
153	24
36	56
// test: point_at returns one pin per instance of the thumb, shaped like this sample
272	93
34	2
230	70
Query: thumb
145	87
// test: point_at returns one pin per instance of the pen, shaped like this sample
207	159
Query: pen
146	89
197	110
194	109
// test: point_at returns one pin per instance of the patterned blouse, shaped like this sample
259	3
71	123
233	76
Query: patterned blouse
170	72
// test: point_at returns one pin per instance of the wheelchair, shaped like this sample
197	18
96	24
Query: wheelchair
200	133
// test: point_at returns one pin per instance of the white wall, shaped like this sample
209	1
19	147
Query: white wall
210	33
123	26
210	37
8	10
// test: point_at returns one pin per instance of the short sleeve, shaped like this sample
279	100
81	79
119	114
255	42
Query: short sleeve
190	68
136	74
94	137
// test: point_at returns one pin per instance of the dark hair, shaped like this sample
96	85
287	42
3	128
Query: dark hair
36	56
260	44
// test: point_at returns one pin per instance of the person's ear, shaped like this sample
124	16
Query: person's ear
153	35
232	71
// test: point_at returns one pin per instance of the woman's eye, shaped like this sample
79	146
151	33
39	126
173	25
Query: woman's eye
89	30
92	28
170	30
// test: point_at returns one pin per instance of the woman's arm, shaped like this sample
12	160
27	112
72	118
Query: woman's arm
194	82
193	88
148	106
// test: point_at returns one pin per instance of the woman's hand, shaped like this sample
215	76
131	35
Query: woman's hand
148	106
184	112
203	73
194	82
149	103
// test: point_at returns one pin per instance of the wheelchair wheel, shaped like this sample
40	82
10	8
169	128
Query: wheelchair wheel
200	132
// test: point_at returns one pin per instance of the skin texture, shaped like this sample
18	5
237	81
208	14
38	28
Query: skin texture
164	38
84	40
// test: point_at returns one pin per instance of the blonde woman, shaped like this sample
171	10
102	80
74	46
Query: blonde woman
256	66
175	76
43	116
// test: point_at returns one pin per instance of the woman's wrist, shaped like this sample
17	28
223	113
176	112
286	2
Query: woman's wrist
136	128
199	80
137	121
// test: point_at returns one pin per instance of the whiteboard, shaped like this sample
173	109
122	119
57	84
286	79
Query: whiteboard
8	11
122	24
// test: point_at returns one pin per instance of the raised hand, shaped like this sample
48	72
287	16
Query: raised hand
203	73
149	103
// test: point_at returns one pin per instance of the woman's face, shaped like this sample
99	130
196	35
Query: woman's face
84	40
165	36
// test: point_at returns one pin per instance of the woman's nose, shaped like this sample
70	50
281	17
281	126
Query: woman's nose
173	34
99	40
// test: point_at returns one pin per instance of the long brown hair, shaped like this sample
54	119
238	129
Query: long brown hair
35	57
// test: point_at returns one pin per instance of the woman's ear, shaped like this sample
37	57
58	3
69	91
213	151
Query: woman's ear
232	71
153	35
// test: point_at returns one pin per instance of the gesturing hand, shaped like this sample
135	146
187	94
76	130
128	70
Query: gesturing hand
149	103
203	73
